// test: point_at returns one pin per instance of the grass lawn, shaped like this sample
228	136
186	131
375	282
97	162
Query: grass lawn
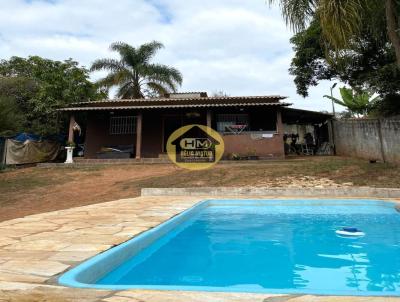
33	190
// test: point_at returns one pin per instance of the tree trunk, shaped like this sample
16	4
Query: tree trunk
138	93
392	27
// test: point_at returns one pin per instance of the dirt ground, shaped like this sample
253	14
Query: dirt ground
34	190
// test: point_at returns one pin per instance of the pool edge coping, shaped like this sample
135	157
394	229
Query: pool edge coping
309	192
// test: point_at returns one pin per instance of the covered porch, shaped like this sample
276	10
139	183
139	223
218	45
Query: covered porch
144	134
250	126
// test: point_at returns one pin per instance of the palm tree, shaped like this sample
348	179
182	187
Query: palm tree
134	75
357	103
342	19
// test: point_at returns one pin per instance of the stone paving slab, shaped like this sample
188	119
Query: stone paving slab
36	249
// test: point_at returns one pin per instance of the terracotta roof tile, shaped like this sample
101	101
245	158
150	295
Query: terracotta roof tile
178	103
149	106
196	99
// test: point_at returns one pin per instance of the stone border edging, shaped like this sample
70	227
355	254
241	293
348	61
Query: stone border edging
364	192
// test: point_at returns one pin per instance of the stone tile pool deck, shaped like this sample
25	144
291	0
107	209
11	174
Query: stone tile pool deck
36	249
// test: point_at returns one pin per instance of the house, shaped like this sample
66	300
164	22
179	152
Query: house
248	124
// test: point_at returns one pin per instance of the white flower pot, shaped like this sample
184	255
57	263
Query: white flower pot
70	151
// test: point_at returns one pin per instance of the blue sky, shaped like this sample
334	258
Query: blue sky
239	47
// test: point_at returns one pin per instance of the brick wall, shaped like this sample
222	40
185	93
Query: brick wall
246	144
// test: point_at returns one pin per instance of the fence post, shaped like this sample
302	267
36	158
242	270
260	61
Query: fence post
331	131
381	140
353	137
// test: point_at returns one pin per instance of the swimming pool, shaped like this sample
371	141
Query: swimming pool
262	246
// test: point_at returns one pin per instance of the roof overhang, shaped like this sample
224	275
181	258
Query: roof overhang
304	117
162	103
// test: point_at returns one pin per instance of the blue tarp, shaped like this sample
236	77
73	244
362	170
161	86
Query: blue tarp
27	148
22	137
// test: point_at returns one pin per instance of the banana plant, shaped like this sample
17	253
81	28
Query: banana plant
357	102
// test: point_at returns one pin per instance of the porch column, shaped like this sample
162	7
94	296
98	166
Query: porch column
139	119
71	128
279	125
209	118
280	130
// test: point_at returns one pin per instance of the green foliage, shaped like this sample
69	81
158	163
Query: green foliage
10	117
39	86
309	65
355	41
134	75
344	114
70	144
357	102
389	105
366	65
341	20
15	95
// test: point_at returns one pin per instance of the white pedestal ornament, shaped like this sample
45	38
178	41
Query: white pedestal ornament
70	151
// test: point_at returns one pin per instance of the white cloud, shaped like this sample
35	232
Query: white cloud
240	47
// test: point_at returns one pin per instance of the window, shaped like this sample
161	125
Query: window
226	120
123	125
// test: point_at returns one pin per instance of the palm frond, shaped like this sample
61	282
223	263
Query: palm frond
124	91
296	13
107	64
129	54
341	19
148	50
127	90
133	71
337	101
122	48
114	78
159	72
158	88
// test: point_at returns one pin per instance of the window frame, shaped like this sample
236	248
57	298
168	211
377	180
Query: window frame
236	119
122	125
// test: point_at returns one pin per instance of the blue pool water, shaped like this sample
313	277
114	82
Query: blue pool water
276	246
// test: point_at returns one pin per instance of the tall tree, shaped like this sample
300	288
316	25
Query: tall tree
365	64
392	19
40	86
134	74
341	20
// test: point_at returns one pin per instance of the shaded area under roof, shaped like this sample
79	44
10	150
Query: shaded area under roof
300	116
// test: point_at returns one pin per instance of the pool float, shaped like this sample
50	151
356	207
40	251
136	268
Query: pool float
350	232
